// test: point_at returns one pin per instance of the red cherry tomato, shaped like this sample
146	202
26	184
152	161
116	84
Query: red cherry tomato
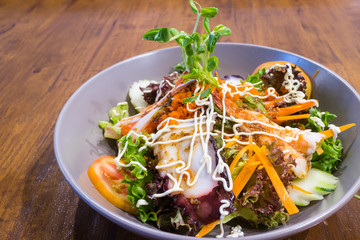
106	178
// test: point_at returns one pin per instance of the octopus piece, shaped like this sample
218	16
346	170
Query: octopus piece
190	162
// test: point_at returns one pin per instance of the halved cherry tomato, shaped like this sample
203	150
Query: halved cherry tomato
106	178
267	65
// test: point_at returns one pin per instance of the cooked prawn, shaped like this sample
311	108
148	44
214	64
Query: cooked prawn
299	144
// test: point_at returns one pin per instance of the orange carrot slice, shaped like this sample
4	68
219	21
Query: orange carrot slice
237	157
255	163
329	133
241	153
293	109
206	229
300	189
291	117
276	181
232	142
245	174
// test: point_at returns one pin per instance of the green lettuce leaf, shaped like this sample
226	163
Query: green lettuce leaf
330	158
254	103
119	112
270	221
255	80
137	187
325	118
174	222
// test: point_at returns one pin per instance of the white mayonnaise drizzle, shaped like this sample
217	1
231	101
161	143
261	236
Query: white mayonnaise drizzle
296	132
223	213
122	103
335	130
292	85
246	91
236	232
176	188
159	91
318	121
122	165
141	202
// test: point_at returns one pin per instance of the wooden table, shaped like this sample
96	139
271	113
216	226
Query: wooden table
50	48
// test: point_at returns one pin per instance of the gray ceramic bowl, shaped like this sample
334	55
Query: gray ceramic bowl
78	141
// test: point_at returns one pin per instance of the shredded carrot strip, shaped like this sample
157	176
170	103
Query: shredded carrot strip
244	175
206	229
237	157
232	142
316	73
300	189
264	149
329	133
291	117
219	80
276	181
255	163
293	109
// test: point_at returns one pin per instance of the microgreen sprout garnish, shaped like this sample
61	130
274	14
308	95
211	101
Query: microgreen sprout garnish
196	48
255	80
203	95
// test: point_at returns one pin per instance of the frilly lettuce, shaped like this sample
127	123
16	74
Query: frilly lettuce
332	150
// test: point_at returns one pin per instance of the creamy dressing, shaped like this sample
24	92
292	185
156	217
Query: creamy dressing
236	232
318	121
292	85
159	91
141	202
335	130
122	165
239	122
223	213
246	91
122	103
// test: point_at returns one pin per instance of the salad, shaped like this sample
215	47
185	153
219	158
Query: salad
205	150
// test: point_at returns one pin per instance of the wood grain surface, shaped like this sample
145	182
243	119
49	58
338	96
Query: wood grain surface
50	48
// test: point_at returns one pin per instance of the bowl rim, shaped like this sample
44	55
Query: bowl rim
147	230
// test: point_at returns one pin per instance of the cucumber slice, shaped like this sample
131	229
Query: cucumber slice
325	188
317	182
303	199
136	95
